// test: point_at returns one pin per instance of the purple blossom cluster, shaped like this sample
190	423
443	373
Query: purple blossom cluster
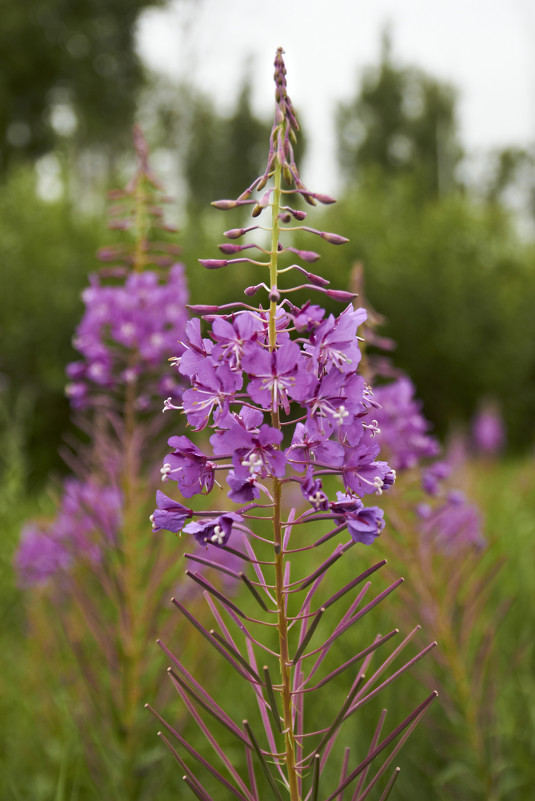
447	519
488	431
87	522
404	429
125	335
238	385
451	525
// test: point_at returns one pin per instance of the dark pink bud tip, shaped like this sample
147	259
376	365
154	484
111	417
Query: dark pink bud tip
213	264
234	233
339	294
310	256
230	250
250	291
317	279
202	309
326	199
334	239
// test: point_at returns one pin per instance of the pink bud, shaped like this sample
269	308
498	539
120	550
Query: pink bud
202	309
234	233
339	294
229	249
317	279
213	264
224	204
310	256
334	239
326	199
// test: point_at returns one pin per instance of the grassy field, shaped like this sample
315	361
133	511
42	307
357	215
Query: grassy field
477	742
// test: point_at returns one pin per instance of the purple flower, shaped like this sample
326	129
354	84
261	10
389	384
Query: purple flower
189	467
403	428
197	349
312	490
127	331
311	444
256	452
434	475
334	341
87	523
40	556
233	338
308	316
275	375
452	525
170	515
488	431
361	473
215	531
364	523
214	388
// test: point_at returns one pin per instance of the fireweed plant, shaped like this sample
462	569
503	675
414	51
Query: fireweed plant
290	416
437	541
91	574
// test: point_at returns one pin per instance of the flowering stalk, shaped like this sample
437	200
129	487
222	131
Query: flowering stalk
93	565
281	391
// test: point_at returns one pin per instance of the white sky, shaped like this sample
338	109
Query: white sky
485	47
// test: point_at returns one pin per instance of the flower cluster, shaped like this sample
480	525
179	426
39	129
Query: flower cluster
239	385
135	307
88	519
125	335
488	431
404	429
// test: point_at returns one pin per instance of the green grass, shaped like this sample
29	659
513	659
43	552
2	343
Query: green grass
42	756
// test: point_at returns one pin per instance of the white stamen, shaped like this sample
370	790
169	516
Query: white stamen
317	499
165	470
340	414
373	428
254	463
218	536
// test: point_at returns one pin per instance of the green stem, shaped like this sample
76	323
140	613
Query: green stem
282	623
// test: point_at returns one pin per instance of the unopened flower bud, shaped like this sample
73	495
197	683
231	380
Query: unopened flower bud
225	204
213	264
318	280
230	250
325	199
340	294
199	308
334	239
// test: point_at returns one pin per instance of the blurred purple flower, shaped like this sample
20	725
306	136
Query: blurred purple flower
488	431
87	523
452	525
126	333
403	428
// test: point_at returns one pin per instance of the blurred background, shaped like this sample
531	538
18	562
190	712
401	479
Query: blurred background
419	117
421	120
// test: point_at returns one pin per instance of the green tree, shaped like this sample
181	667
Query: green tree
65	66
402	121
